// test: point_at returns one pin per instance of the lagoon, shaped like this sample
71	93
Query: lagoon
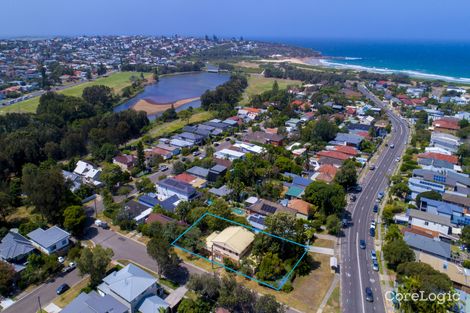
172	88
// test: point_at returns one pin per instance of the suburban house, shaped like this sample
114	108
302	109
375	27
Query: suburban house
151	200
266	207
348	140
73	179
171	187
455	212
222	191
446	125
455	183
249	113
157	151
438	224
233	242
457	200
92	303
422	244
172	149
445	141
325	173
190	137
130	286
229	154
264	138
332	157
216	172
49	241
249	147
125	161
418	186
301	207
438	156
198	172
15	249
89	173
194	181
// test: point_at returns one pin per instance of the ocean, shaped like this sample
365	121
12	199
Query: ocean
428	59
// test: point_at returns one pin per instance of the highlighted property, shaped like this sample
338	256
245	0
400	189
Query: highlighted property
231	248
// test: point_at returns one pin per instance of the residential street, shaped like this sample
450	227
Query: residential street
356	265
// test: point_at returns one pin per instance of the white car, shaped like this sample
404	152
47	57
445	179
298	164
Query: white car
60	259
98	222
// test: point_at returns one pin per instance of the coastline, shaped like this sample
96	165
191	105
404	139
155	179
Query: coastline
329	62
151	108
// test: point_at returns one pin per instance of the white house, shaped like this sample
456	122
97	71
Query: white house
229	154
431	222
130	286
51	240
89	173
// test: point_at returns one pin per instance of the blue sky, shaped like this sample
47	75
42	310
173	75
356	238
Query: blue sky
396	19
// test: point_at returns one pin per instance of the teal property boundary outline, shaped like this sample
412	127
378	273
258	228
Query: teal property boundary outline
282	281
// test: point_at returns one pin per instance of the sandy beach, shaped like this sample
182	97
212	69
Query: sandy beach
152	108
305	61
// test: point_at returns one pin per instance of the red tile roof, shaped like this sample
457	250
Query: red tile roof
347	150
299	205
333	155
185	177
447	123
439	156
163	219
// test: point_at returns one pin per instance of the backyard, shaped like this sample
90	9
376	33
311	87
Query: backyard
258	84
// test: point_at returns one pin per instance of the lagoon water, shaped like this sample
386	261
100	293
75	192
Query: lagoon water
172	88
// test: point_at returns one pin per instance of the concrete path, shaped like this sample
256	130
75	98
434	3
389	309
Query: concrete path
328	294
327	251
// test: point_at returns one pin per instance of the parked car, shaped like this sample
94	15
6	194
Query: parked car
376	208
69	268
392	146
372	231
62	288
60	259
362	244
373	255
369	295
163	167
375	265
372	167
196	153
380	195
353	198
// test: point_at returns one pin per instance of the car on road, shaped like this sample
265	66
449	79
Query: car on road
376	208
216	144
373	255
353	198
392	146
397	159
372	224
69	268
380	195
101	224
62	288
369	295
372	231
372	167
375	265
362	244
345	222
163	167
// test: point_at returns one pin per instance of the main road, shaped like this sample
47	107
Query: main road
356	264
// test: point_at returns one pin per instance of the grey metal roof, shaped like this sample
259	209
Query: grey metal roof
94	303
456	199
439	219
14	245
351	138
49	237
177	186
218	168
436	163
198	171
449	178
130	282
428	245
152	305
221	192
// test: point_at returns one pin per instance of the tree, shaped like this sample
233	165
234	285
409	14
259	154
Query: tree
167	260
194	306
393	233
5	205
400	189
47	191
270	268
140	156
268	304
7	276
347	174
185	115
101	69
465	237
205	285
178	167
397	252
145	185
433	195
99	96
112	175
74	219
95	262
333	225
329	198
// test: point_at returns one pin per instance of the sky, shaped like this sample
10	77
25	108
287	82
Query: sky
254	19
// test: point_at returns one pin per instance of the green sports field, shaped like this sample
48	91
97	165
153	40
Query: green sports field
116	81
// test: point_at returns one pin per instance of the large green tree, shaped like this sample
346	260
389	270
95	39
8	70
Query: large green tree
161	251
329	198
7	276
95	263
74	219
347	174
397	252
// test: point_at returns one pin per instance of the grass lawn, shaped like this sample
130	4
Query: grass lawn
332	306
67	297
308	292
161	129
258	84
116	81
324	243
23	214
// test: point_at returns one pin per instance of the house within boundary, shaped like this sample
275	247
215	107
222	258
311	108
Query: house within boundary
282	281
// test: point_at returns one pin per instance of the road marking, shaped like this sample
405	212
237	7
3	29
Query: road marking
360	275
